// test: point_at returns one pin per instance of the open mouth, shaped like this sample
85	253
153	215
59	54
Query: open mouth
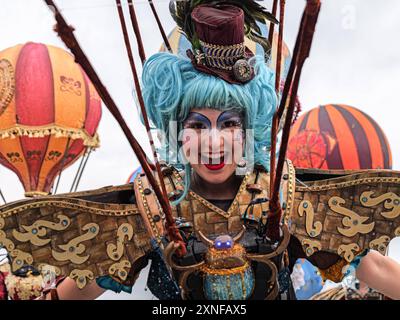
213	162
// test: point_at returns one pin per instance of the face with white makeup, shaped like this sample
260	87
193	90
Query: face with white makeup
213	143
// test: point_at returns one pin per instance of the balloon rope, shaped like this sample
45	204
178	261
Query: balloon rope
135	27
170	221
66	33
302	52
2	197
78	171
83	169
65	155
160	27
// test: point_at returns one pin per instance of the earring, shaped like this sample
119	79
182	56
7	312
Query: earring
242	163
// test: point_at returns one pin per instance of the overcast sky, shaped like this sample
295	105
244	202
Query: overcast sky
355	60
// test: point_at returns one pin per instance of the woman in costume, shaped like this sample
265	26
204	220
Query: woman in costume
218	98
225	92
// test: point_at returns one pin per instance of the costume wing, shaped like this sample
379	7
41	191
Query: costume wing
82	235
342	213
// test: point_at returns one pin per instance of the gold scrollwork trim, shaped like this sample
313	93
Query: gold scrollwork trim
311	246
38	229
81	277
68	205
74	248
4	241
19	258
351	183
147	209
353	222
291	189
124	233
392	201
119	269
397	232
347	251
380	244
313	228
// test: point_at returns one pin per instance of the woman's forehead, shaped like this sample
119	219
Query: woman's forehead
214	113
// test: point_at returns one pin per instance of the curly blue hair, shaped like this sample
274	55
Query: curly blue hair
172	87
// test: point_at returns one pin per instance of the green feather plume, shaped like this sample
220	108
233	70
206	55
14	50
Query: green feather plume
181	12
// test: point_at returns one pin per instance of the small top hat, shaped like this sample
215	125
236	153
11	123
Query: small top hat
222	53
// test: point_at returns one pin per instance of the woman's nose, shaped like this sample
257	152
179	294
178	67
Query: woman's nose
215	140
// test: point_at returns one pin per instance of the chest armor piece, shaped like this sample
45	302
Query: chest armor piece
226	268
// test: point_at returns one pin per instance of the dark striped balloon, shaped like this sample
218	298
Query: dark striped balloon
338	137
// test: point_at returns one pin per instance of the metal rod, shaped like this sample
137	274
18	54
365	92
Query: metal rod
78	171
65	155
2	197
66	33
279	47
170	221
160	27
302	52
83	169
136	30
272	25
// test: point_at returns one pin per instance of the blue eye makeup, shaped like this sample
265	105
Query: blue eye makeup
226	120
229	120
197	121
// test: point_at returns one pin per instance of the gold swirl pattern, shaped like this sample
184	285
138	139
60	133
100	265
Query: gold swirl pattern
4	242
380	244
38	229
348	251
311	246
81	276
20	258
118	269
73	249
392	201
124	233
313	228
353	221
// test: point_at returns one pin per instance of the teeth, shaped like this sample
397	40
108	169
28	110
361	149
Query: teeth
212	160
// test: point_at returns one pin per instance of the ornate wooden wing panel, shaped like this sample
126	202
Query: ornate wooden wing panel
347	214
83	235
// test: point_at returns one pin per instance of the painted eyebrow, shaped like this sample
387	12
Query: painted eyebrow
228	115
195	116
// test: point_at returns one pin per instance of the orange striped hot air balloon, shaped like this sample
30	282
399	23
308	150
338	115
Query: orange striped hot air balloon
338	137
49	113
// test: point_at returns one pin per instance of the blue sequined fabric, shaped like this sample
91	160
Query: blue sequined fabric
160	281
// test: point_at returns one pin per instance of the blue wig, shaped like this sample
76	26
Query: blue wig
172	87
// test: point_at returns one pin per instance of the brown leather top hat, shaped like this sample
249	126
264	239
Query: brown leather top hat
220	30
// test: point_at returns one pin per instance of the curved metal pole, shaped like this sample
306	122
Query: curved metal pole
170	221
302	52
66	33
